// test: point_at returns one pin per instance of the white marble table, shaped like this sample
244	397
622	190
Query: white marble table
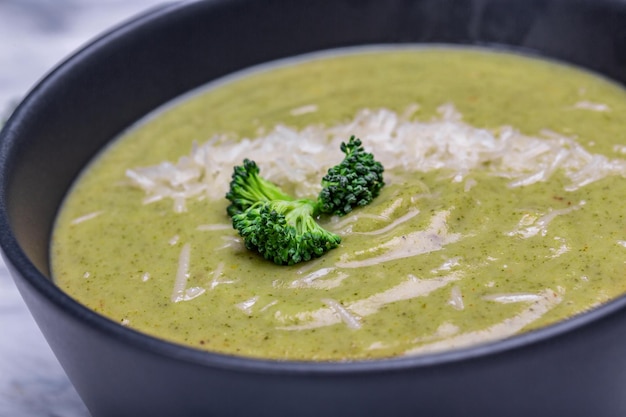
34	36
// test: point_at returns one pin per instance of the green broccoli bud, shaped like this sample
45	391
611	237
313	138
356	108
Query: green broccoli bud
247	187
284	232
354	182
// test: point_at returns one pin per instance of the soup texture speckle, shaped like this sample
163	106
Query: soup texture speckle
503	209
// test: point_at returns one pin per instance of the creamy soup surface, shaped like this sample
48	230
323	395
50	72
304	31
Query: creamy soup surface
503	210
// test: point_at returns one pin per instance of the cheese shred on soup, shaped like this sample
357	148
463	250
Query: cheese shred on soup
503	210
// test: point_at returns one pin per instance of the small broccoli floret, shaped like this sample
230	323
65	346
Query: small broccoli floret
356	181
284	232
248	187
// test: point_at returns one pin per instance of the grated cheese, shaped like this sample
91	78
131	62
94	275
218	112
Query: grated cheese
445	143
246	306
433	238
456	298
588	105
86	217
180	292
351	320
411	288
538	306
299	111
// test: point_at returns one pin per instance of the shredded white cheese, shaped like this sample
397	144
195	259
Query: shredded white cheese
413	287
182	274
218	279
286	155
86	217
588	105
299	111
433	238
246	306
351	320
533	224
268	306
391	226
315	279
456	298
513	298
448	265
538	306
180	292
231	242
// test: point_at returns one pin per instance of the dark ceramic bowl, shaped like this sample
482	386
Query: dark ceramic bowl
574	368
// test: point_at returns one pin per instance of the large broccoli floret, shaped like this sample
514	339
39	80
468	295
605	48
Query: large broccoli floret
247	188
283	229
356	181
284	232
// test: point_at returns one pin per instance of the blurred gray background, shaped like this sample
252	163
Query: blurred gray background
35	35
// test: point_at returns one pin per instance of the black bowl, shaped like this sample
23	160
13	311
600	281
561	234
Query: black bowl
574	368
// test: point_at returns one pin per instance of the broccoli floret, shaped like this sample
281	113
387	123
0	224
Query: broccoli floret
247	188
283	229
356	181
284	232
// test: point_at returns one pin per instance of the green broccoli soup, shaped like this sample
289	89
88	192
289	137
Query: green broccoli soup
502	211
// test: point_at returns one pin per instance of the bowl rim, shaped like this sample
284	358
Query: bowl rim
23	269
